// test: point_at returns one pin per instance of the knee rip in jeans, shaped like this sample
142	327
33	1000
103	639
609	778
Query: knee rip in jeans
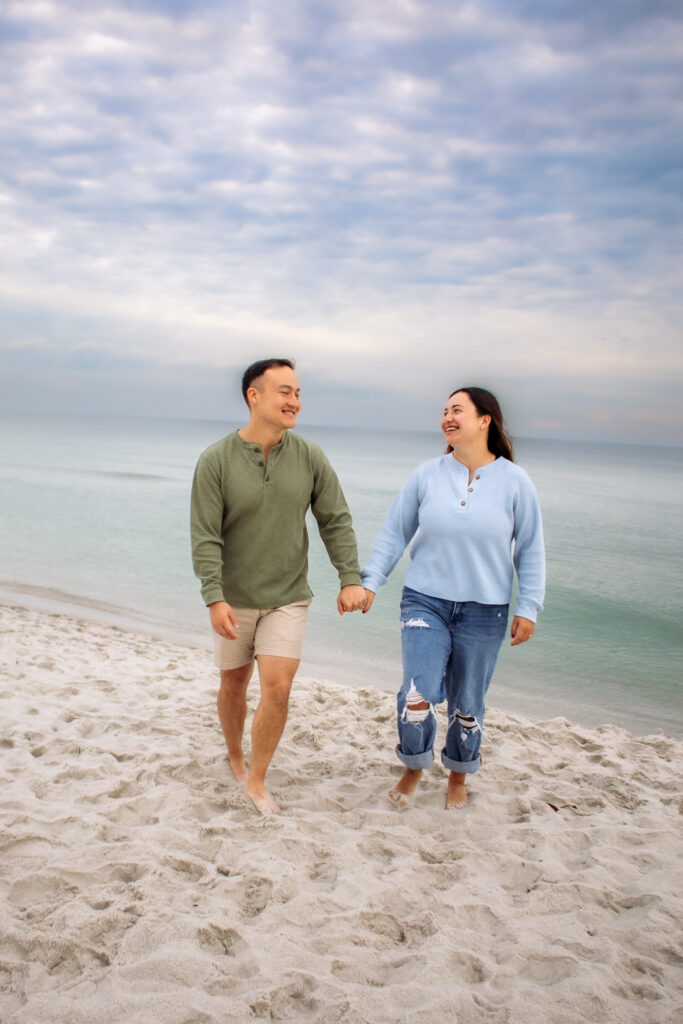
468	724
414	624
416	708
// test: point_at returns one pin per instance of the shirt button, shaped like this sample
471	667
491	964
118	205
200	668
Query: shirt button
470	489
267	479
463	502
478	476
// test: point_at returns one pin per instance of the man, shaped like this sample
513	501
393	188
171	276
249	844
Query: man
250	496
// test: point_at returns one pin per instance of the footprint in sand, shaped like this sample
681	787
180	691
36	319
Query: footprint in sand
383	925
324	867
32	889
367	973
125	872
220	941
376	848
470	969
124	788
295	1000
190	868
548	970
254	894
30	846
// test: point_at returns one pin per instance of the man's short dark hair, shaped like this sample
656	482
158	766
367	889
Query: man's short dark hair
257	370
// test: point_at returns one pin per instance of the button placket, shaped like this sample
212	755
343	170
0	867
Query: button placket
462	480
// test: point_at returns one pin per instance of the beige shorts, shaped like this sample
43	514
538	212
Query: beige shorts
276	631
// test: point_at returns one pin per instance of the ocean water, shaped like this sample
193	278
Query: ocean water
94	519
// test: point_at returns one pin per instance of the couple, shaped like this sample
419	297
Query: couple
478	520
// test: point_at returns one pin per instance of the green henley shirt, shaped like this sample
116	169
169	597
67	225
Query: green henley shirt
248	519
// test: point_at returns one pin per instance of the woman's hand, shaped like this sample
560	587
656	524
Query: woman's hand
369	598
521	630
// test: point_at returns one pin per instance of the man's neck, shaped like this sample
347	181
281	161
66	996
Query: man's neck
260	434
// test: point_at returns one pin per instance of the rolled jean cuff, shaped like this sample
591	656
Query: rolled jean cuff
415	761
468	767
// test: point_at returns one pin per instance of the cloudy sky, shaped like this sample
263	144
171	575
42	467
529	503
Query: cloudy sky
404	195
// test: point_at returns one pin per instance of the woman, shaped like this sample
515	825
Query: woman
479	521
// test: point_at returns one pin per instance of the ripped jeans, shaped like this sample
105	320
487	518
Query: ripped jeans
450	650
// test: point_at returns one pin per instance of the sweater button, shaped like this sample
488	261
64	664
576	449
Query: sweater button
478	476
470	489
463	502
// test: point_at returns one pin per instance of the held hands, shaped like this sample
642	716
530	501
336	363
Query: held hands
521	630
352	598
223	620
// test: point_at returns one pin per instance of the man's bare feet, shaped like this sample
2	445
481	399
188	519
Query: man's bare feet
261	798
402	793
456	795
238	768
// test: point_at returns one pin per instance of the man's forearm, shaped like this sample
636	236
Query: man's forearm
340	543
206	517
208	568
335	526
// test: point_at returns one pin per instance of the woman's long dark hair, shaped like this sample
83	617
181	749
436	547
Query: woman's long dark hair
486	404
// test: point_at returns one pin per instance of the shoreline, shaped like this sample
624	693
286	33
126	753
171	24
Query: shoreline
506	694
137	883
100	613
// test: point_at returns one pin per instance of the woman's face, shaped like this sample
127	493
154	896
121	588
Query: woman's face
461	423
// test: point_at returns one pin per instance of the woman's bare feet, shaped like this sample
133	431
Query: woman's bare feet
261	798
402	793
456	796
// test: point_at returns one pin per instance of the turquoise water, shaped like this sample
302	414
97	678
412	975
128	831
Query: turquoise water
94	519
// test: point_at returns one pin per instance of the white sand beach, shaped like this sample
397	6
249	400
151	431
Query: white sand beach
138	885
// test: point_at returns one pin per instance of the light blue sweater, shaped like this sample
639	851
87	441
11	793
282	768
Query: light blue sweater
464	548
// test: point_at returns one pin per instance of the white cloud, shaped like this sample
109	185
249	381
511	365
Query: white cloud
359	183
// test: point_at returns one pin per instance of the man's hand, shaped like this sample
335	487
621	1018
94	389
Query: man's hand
223	620
351	599
521	630
369	598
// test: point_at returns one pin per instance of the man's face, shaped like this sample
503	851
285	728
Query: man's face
274	399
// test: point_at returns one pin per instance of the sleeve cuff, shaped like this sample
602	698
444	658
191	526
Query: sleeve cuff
372	581
527	610
349	579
